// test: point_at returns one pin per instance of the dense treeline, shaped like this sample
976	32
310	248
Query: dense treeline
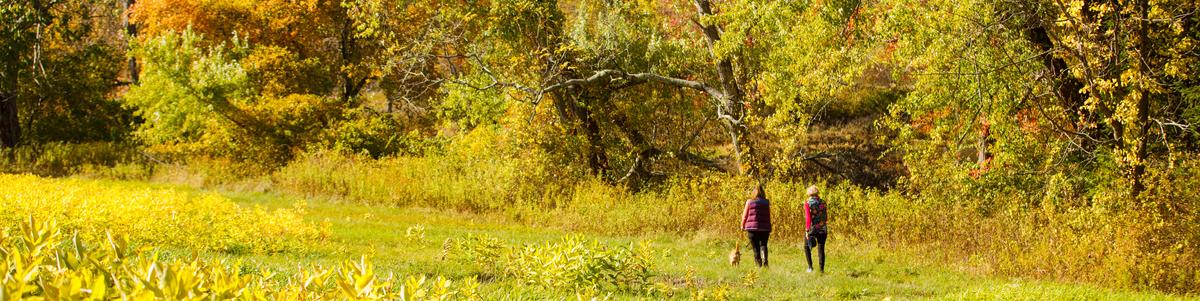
991	109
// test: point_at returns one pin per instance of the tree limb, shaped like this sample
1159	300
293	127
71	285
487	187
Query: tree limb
617	75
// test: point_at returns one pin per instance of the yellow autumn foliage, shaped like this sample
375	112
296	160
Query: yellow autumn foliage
153	216
39	261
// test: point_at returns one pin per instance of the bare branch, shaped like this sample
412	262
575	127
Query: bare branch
637	161
696	134
617	75
720	98
1165	123
483	68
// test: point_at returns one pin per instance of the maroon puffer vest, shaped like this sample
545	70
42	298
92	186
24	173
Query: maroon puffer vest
758	215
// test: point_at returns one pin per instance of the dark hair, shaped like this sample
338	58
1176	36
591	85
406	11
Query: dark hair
758	192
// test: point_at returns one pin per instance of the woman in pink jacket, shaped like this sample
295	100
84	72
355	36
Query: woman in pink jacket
756	220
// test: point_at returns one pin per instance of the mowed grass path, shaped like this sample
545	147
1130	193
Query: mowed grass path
688	264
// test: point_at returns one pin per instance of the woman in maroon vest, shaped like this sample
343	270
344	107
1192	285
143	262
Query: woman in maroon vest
756	220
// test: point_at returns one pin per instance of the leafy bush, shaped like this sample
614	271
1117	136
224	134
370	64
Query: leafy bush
576	263
364	131
154	216
471	107
186	90
60	159
573	263
37	261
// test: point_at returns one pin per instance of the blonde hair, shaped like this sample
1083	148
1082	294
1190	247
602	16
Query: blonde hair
812	190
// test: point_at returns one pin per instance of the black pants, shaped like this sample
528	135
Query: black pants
758	242
816	239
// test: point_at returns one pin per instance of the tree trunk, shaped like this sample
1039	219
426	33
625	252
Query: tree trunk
1142	118
347	48
1066	87
130	35
982	154
10	127
638	173
731	105
736	133
579	117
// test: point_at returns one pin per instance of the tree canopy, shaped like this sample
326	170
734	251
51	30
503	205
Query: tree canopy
923	93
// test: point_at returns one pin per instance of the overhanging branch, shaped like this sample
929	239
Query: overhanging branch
617	75
720	99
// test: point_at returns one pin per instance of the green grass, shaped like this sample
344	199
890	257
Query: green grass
685	264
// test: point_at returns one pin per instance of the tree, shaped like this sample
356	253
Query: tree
59	65
130	34
1122	70
727	96
318	32
19	45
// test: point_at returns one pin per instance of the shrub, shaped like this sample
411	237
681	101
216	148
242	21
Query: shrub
364	131
572	263
60	159
580	264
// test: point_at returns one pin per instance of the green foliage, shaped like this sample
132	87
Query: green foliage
227	102
186	90
580	264
1192	113
471	107
365	131
277	72
480	171
482	251
573	263
70	100
61	62
511	20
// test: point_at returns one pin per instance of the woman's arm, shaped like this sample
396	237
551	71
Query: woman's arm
745	210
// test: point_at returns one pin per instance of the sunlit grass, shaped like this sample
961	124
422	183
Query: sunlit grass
682	266
412	241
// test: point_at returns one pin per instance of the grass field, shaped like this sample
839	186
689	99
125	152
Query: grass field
416	241
692	267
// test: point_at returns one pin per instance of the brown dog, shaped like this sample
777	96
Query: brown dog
735	256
